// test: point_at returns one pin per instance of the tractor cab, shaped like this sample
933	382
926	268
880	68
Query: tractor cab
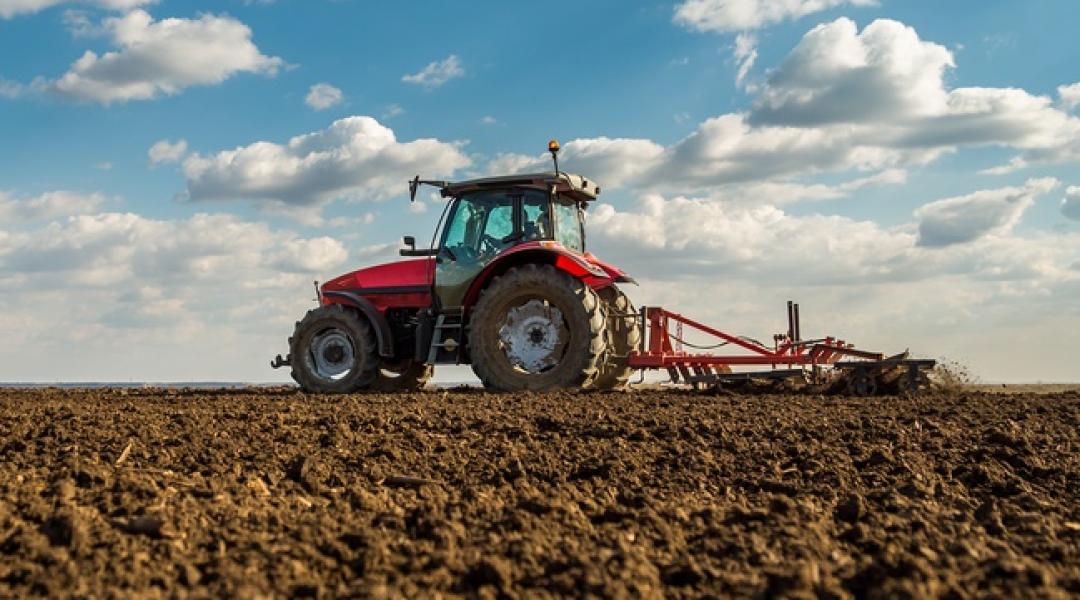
487	218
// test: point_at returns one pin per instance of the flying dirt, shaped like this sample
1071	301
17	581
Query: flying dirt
656	493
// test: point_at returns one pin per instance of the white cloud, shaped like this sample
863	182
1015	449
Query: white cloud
966	218
10	89
210	296
842	101
1070	204
11	8
488	120
1070	95
837	74
49	205
746	54
743	15
437	73
164	151
393	110
607	160
684	238
322	96
163	57
355	158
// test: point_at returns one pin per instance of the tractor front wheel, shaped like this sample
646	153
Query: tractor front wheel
333	351
536	328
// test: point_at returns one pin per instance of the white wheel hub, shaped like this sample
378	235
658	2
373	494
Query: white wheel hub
533	335
333	354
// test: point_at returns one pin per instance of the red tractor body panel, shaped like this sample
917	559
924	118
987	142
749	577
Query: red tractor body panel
400	284
582	266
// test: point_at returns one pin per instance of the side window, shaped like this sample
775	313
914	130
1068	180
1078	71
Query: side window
536	222
480	223
568	224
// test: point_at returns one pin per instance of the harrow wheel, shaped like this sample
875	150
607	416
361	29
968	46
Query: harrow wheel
861	382
537	328
333	351
624	336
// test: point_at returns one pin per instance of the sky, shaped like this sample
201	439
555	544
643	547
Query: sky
175	174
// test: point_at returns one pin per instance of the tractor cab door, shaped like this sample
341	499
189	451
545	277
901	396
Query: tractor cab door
481	225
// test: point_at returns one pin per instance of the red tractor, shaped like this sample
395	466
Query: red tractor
506	286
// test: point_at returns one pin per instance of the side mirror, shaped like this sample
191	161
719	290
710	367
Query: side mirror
410	248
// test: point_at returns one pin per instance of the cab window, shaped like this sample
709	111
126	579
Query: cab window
483	224
568	225
535	222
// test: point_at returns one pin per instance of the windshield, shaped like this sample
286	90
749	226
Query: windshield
568	226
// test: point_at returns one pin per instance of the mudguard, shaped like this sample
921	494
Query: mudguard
383	336
547	252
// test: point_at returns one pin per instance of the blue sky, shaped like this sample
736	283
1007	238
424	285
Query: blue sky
885	218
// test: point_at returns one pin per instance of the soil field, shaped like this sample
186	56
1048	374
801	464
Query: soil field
270	493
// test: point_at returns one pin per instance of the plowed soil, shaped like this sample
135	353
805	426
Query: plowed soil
271	493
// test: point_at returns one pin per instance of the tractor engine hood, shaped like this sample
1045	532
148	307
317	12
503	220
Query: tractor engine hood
403	276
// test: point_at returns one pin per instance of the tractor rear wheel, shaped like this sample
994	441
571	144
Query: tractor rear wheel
624	336
333	351
402	376
536	328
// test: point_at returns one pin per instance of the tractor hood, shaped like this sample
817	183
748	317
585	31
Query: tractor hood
403	276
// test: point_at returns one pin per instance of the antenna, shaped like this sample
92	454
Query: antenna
553	148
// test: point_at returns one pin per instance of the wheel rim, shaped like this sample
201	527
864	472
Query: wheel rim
533	336
332	354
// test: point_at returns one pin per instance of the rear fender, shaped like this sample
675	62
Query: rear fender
576	266
383	336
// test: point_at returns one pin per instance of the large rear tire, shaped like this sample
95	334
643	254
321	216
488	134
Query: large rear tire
536	328
333	351
624	335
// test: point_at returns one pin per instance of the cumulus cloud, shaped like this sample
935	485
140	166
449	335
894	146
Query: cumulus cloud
437	73
687	241
1070	95
838	74
1070	205
156	58
164	151
322	96
843	100
109	249
355	158
966	218
11	8
207	296
49	205
742	15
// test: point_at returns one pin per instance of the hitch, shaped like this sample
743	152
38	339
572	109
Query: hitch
279	362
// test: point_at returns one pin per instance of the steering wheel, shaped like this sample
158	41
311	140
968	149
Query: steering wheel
489	244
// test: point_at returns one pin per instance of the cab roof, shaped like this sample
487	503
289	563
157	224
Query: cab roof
575	186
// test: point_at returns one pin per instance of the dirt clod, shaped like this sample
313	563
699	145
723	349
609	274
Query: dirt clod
272	493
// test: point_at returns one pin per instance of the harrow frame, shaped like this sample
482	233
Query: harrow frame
790	356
